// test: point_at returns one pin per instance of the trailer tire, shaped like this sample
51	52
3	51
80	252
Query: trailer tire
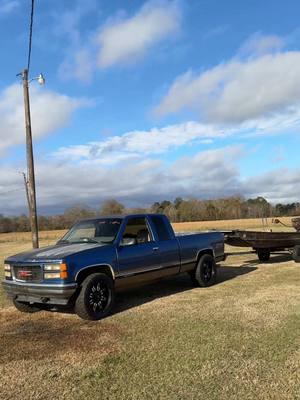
263	255
296	254
25	307
96	298
205	274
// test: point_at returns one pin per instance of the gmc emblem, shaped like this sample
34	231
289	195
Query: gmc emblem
25	274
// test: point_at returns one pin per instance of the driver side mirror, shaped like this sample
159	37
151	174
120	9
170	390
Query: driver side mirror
128	241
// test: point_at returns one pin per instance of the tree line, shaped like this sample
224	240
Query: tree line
179	210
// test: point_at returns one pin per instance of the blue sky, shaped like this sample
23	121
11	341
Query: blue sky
151	100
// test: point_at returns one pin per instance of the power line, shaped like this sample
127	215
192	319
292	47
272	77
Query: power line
30	34
11	191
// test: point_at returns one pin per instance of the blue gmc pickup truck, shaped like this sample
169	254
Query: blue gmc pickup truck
98	256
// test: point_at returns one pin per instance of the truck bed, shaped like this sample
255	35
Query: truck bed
190	244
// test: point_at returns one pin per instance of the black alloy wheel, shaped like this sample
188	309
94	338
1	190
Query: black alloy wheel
96	297
205	273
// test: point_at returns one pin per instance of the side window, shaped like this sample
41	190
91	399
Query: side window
160	227
136	232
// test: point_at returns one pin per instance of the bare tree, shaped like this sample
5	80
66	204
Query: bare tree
111	207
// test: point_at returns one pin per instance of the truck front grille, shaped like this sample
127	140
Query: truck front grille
28	273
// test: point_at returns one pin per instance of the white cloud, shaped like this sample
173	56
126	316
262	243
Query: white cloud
59	185
141	143
137	144
119	40
240	90
49	112
8	6
67	24
79	67
78	62
281	185
259	44
123	41
208	174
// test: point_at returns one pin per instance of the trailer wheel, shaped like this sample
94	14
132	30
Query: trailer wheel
25	307
205	273
263	255
96	298
296	253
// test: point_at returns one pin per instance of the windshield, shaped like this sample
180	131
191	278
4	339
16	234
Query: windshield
94	231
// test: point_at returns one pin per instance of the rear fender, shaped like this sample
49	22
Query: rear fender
204	251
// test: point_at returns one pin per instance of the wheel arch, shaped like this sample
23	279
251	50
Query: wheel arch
204	251
197	273
91	269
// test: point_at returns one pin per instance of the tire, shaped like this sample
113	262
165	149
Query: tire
263	255
296	254
205	273
25	307
96	298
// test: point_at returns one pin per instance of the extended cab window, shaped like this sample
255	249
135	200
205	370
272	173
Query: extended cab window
136	232
160	227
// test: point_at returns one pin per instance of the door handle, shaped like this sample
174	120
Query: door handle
155	248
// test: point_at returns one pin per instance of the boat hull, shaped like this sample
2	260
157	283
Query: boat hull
273	241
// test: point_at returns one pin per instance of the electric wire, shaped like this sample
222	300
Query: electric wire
11	191
30	35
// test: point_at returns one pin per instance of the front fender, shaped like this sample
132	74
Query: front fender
95	268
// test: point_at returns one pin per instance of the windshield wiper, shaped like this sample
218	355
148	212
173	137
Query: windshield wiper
88	240
80	240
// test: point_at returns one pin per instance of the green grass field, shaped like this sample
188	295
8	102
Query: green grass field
236	340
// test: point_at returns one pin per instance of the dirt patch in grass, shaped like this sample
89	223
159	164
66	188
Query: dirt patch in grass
39	353
43	335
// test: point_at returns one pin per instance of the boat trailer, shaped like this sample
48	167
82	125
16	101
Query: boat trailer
264	243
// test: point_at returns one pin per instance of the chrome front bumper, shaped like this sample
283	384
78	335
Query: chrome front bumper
39	293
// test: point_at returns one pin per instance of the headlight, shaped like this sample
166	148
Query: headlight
52	275
52	267
55	271
7	271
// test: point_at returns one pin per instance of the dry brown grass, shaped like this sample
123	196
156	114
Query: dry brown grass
48	237
21	237
252	223
236	340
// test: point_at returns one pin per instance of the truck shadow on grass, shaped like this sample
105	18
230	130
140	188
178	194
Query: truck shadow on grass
275	258
135	297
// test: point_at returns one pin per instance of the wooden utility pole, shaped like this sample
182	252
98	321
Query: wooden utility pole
30	165
26	189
